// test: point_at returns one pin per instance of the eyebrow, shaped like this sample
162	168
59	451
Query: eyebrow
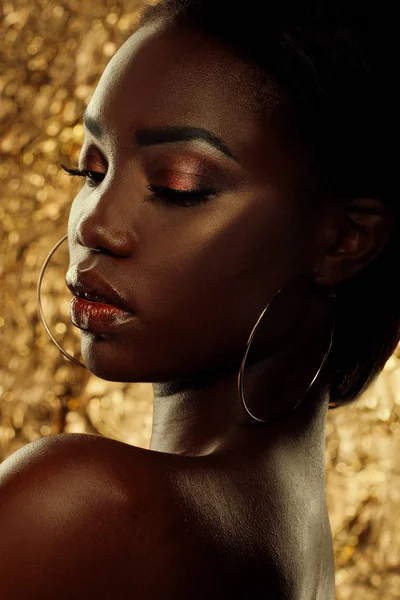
164	135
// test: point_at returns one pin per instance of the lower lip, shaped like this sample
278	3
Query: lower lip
97	316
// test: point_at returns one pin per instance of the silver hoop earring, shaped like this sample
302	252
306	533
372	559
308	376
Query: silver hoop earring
330	295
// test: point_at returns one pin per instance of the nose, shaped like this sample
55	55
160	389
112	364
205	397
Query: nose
99	238
105	221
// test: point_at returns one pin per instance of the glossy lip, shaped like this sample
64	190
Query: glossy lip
98	317
93	283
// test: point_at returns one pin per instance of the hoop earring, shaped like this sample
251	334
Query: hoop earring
39	303
331	295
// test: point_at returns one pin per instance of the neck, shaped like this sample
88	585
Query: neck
213	424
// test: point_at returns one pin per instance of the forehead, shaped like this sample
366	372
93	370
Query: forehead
175	76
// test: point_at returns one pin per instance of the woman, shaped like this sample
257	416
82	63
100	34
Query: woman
281	193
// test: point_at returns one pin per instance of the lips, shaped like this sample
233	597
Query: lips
93	286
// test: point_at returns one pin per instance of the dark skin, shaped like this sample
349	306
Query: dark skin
198	278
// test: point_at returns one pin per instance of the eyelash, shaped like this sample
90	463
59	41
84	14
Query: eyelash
171	196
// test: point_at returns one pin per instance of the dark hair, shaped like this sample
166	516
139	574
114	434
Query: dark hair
333	62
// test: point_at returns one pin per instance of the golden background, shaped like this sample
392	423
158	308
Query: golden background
53	54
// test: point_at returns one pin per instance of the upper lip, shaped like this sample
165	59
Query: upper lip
93	283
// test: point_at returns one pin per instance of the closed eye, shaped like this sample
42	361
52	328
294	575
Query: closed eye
181	197
172	196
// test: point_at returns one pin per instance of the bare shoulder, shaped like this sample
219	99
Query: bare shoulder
83	516
75	511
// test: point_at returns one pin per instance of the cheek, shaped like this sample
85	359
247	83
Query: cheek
213	280
259	234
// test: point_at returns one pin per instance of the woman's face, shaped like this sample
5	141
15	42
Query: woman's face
197	276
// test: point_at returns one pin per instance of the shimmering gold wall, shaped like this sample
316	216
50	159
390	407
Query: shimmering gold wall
53	53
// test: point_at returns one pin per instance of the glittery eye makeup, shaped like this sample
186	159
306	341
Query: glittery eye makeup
178	178
177	197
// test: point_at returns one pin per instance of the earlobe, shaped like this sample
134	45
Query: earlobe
361	235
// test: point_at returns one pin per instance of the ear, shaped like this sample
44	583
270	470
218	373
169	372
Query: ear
355	236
